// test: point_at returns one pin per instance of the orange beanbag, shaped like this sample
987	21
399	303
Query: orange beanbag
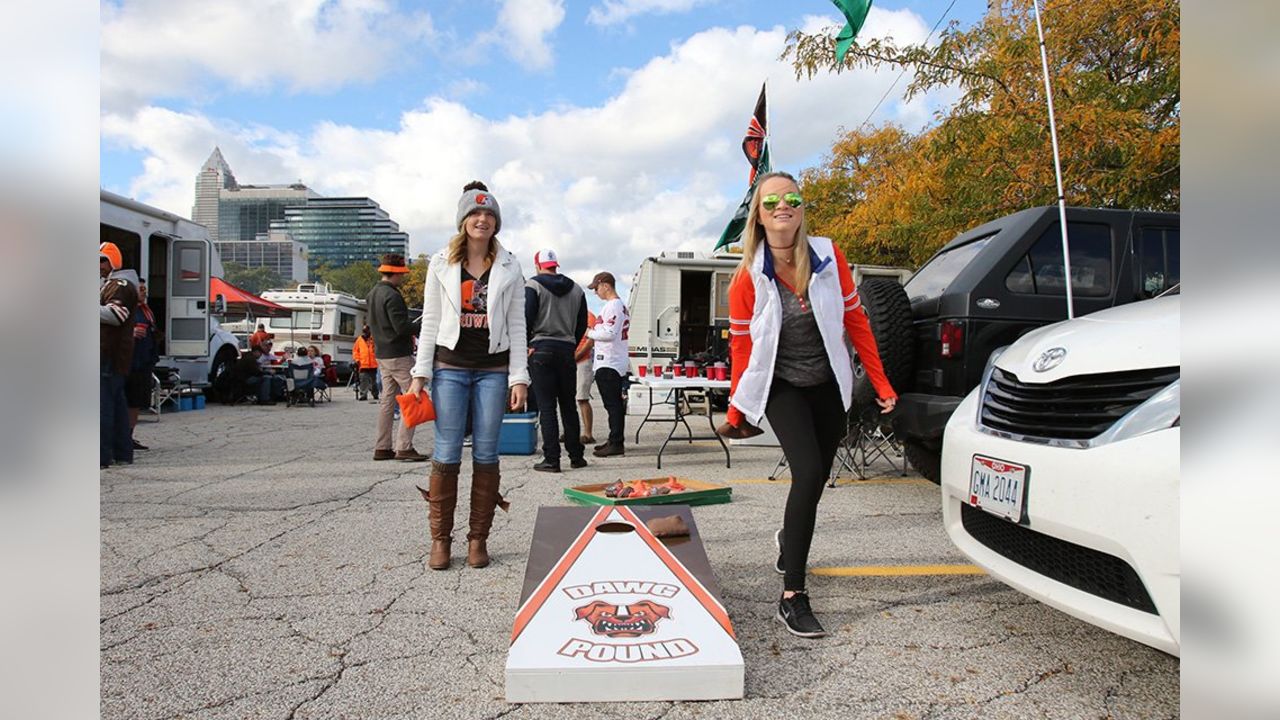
416	409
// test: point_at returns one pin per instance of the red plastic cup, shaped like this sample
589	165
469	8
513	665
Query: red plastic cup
657	369
643	369
721	372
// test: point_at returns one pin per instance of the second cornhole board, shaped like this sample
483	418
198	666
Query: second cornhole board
697	492
609	612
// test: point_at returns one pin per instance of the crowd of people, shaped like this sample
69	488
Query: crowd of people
491	341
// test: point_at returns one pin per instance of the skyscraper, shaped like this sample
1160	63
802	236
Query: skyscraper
342	230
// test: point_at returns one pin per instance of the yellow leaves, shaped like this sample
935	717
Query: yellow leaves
891	196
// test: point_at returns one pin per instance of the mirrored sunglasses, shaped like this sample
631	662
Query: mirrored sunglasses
770	202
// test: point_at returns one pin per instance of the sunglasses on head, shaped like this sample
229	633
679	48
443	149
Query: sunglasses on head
769	202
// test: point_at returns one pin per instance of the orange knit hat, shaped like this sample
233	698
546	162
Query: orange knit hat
109	251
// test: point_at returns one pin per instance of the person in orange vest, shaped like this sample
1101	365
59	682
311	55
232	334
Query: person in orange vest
366	364
259	338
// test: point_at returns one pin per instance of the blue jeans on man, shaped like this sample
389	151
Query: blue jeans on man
115	441
456	393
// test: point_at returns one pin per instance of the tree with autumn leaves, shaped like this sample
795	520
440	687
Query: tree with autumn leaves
889	196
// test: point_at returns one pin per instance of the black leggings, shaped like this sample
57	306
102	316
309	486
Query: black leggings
809	422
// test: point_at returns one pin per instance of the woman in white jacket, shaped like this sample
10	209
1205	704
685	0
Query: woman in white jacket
472	352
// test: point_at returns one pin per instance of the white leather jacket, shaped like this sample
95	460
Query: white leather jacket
442	310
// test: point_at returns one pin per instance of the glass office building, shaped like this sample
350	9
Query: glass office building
342	230
276	251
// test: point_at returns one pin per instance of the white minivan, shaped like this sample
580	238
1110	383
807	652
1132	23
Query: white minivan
1060	471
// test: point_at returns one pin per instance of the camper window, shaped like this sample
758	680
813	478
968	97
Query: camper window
301	320
346	323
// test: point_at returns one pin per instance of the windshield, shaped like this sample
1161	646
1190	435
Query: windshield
932	279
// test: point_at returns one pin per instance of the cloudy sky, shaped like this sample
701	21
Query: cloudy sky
609	130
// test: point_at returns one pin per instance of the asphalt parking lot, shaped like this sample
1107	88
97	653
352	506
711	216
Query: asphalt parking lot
257	564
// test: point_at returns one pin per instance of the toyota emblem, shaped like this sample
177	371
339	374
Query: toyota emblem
1049	359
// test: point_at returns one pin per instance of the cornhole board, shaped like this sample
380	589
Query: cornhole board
609	612
698	493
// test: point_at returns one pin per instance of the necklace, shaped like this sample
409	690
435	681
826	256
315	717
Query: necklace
777	254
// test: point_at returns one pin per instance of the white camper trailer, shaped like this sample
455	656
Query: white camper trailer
321	316
679	306
176	258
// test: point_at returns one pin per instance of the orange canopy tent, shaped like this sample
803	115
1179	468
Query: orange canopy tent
242	302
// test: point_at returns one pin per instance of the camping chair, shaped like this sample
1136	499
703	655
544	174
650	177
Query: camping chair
301	385
168	386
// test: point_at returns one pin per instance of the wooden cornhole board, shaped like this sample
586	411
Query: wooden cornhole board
619	616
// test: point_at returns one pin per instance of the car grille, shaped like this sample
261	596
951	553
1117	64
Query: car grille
1091	571
1075	408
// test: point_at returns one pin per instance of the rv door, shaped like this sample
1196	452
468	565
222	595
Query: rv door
188	321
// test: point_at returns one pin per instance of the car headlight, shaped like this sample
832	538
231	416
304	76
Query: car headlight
1160	412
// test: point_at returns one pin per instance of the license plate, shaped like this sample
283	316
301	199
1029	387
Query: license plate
998	487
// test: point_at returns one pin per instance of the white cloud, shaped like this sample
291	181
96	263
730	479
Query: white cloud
523	29
612	12
158	48
656	167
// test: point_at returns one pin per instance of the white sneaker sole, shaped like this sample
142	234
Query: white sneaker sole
777	543
778	616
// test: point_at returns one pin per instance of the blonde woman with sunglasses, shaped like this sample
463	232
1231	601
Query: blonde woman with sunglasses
792	302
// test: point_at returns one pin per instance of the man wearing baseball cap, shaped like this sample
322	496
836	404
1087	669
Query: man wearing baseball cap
556	317
612	360
388	318
117	301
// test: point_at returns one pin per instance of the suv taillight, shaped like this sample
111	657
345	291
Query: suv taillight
952	338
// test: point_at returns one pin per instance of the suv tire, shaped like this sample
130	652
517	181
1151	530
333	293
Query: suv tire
889	311
926	459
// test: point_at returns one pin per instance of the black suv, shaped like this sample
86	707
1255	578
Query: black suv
988	287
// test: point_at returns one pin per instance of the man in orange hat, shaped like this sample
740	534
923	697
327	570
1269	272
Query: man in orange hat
117	301
393	334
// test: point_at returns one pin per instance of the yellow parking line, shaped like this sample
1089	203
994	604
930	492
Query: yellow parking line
840	482
897	570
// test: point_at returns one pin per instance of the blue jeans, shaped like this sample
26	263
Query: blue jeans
484	394
115	437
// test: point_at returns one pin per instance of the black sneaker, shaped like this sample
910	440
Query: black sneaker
795	613
610	449
577	463
547	466
139	446
777	541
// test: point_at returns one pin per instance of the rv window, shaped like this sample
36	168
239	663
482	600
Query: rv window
301	320
722	295
346	323
189	264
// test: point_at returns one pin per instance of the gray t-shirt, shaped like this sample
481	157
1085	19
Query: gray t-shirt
802	358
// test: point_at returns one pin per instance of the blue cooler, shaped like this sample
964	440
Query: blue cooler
187	403
199	400
519	434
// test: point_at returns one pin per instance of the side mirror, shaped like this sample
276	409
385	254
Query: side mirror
220	304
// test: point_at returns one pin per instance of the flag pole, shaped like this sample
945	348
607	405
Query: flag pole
1057	163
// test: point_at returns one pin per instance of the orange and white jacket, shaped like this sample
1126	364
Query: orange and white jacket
755	319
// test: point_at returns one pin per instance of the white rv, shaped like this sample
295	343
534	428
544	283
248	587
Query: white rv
679	304
176	258
321	316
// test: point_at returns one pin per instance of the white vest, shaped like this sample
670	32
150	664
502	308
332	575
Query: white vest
752	394
442	312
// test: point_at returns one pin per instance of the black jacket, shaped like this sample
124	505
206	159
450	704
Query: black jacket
388	318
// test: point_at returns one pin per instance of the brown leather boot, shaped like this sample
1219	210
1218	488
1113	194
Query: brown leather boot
441	499
485	498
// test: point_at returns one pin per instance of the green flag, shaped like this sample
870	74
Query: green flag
855	13
733	231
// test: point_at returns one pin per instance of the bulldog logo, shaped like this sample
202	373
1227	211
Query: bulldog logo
623	621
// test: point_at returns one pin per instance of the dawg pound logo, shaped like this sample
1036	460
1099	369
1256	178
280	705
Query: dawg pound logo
631	620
